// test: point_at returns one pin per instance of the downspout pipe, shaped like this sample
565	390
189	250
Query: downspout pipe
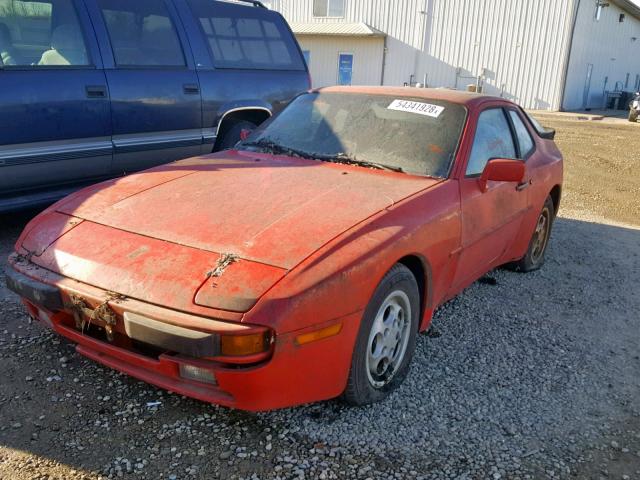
384	60
567	58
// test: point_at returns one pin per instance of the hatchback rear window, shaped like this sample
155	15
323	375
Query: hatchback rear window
246	37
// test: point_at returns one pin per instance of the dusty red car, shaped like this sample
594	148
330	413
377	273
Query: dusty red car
301	265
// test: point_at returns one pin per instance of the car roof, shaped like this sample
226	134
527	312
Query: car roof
468	99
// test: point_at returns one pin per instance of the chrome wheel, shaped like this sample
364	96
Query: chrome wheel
388	338
541	235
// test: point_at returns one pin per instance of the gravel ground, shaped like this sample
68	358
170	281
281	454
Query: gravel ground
526	376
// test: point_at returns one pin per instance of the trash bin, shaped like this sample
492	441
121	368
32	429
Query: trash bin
612	100
625	100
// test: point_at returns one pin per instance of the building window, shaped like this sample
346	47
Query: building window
621	19
328	8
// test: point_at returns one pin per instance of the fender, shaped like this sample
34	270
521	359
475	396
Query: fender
361	256
238	106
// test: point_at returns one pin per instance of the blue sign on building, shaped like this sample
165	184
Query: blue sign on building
345	68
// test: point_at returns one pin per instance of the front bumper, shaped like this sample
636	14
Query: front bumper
291	375
34	291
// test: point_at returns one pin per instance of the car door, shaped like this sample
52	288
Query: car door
155	93
55	122
490	219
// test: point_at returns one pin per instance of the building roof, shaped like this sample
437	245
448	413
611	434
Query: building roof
336	29
628	6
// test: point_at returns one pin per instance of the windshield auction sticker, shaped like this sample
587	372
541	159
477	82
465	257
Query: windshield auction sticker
416	107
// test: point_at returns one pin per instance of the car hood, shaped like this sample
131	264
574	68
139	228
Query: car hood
268	212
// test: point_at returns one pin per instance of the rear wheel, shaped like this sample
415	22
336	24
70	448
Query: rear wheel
386	340
232	135
534	258
633	115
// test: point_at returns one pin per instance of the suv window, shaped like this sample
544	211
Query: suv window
246	37
524	138
142	33
30	38
493	140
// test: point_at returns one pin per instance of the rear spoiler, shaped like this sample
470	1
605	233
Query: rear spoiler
543	132
547	133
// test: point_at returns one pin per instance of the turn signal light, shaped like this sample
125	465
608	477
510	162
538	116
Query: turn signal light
243	345
326	332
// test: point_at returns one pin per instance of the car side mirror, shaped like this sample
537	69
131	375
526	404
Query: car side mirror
501	170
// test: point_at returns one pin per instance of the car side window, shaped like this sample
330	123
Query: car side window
524	137
493	140
41	34
246	38
142	33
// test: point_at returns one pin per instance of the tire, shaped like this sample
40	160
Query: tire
633	116
386	340
534	258
232	135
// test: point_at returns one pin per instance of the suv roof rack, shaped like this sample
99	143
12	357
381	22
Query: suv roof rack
255	3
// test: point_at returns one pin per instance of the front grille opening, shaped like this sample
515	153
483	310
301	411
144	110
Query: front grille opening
147	350
120	340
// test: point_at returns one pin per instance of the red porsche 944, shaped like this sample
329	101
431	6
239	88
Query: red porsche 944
301	265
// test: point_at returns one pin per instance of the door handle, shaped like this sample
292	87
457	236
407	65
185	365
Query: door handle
523	186
191	89
96	91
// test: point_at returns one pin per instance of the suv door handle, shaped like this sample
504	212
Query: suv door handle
523	186
96	91
191	88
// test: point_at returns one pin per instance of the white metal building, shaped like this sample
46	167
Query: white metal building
544	54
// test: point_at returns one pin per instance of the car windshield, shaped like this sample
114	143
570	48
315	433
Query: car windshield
411	135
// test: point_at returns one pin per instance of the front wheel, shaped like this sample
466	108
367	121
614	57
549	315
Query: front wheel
386	340
534	258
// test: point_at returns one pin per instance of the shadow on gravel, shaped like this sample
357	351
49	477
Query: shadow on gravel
11	224
531	373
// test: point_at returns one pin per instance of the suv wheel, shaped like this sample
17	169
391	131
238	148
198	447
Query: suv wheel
232	136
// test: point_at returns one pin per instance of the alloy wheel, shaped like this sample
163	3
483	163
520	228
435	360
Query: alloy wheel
541	235
388	338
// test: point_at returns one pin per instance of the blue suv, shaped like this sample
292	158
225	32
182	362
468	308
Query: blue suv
93	89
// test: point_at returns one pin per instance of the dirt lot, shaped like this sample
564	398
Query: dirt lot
532	376
601	169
